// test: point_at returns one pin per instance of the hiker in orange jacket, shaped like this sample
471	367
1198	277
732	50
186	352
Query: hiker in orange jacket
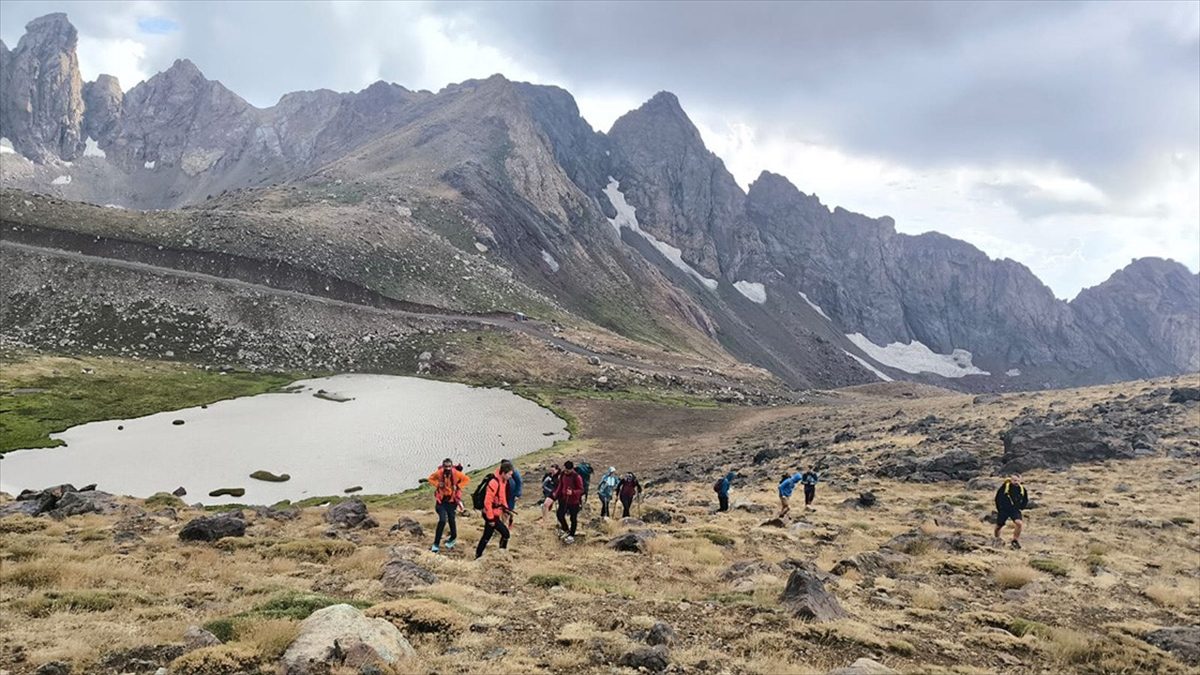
447	483
495	507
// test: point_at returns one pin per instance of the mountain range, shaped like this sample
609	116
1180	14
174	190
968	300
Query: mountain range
497	196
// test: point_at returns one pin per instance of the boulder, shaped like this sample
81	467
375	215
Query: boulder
406	524
864	667
342	636
196	637
774	522
79	503
654	659
954	464
179	491
635	541
661	633
212	528
867	499
1042	443
350	514
750	507
807	598
657	516
53	668
1183	642
871	564
400	574
270	477
44	500
1184	394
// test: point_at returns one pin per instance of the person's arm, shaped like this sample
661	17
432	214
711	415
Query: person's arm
433	479
517	486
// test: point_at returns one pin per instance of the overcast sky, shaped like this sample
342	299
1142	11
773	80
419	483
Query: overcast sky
1062	135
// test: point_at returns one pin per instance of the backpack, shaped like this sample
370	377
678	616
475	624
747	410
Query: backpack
479	496
584	470
717	485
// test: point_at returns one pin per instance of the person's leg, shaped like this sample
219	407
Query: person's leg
488	528
783	506
504	534
625	504
562	517
723	501
437	532
1001	518
1017	525
810	491
574	511
452	519
604	507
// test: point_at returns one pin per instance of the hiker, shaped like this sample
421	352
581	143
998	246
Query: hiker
787	484
585	472
809	480
721	487
514	492
1010	499
462	510
608	484
627	489
569	493
491	497
549	482
447	483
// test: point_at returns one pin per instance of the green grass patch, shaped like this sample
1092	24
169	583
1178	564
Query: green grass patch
1022	627
1050	566
162	500
717	537
59	393
49	602
312	550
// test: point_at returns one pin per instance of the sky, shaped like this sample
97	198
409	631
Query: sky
1062	135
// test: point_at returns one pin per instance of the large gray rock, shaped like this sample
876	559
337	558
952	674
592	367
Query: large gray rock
102	108
635	541
212	528
401	573
79	503
350	514
806	597
1039	443
654	659
342	636
954	464
1181	641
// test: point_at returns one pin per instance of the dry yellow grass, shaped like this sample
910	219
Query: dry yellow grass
1168	595
1013	576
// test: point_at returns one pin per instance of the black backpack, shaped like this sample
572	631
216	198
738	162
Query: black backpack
479	496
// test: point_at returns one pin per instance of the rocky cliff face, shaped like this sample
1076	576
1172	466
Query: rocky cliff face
641	230
41	93
102	103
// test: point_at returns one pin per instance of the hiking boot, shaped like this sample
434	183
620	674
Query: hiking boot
435	549
450	543
997	542
569	539
1015	544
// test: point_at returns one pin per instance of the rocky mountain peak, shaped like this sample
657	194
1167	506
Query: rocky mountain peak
102	100
41	101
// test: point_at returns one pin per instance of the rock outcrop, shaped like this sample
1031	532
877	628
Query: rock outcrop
212	528
806	597
41	93
102	100
342	636
1039	443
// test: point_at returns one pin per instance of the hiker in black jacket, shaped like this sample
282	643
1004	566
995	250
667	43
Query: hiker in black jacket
1010	499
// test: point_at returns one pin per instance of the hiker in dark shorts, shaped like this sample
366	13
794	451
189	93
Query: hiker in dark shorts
1010	499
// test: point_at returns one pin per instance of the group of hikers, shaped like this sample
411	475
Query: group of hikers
568	485
496	498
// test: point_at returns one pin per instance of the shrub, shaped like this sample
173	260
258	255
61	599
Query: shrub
718	538
1022	627
902	647
1050	566
927	598
39	574
297	605
270	637
551	580
217	660
222	628
1012	576
313	550
1166	596
21	525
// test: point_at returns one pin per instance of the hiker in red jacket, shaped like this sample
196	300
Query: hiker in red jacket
495	507
569	493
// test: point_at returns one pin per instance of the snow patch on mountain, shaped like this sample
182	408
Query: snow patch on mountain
550	260
915	357
863	362
61	180
6	146
754	291
627	217
150	165
92	149
815	306
1013	372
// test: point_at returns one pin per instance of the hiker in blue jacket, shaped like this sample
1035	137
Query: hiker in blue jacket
608	485
514	492
787	484
809	480
721	487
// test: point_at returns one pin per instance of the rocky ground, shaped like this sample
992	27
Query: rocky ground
894	565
